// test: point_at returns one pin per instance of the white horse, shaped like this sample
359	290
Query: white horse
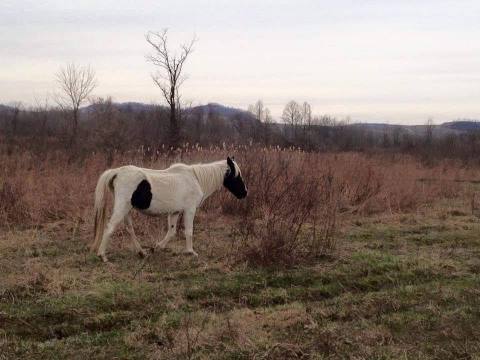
179	189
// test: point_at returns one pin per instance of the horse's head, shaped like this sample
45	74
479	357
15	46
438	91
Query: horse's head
233	180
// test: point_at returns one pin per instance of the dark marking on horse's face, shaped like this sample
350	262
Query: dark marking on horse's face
142	196
235	185
234	182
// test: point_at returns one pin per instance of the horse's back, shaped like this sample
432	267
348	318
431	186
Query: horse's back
179	168
181	172
172	189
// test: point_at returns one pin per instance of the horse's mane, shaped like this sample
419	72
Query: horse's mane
210	176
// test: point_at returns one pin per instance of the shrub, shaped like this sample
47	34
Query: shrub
13	209
290	212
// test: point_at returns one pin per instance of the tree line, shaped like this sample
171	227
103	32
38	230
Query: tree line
60	122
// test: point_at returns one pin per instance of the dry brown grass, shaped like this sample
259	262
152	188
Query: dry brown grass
36	191
401	278
293	206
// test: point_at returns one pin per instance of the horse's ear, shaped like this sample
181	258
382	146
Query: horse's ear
231	165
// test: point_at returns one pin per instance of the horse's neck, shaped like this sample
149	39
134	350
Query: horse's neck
210	176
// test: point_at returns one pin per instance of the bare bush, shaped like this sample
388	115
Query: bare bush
13	208
296	201
291	210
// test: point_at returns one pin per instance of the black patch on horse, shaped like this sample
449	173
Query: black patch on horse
234	183
142	196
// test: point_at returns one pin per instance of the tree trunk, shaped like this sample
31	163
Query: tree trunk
73	138
15	121
174	136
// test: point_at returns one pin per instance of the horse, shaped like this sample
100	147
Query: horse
179	189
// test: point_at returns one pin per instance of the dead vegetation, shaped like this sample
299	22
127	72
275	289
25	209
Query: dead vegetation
53	187
330	256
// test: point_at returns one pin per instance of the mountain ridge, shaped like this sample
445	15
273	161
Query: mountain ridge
227	112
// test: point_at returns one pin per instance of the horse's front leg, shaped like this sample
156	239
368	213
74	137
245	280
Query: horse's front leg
172	230
188	217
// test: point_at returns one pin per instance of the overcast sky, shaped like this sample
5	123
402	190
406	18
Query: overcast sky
392	61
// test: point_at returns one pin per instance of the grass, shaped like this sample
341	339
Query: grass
398	286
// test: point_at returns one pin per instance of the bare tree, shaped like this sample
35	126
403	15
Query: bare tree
263	115
17	107
13	114
325	120
429	127
169	76
306	123
76	84
307	114
40	110
267	118
257	110
292	115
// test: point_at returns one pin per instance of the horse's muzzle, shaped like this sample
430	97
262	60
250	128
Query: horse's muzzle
242	195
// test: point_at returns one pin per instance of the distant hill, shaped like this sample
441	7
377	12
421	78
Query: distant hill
5	108
229	113
134	107
452	127
219	110
211	108
128	107
463	125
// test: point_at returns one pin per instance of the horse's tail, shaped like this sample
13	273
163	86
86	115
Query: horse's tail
104	183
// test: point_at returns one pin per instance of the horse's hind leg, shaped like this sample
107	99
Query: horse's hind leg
131	231
172	230
120	210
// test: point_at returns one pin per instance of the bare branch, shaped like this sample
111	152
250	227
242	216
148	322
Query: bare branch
76	84
169	77
171	64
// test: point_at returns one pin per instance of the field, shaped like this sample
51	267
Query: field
386	265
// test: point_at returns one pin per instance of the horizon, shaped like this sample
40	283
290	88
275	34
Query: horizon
275	120
372	62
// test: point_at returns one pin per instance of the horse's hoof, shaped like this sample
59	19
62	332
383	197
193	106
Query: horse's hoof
190	252
142	254
104	258
148	249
